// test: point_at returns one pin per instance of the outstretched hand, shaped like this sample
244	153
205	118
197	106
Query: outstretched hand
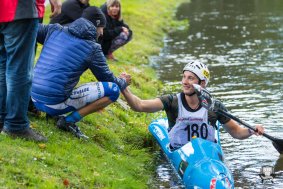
126	77
55	7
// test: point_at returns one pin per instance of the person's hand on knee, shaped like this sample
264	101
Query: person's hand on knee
125	30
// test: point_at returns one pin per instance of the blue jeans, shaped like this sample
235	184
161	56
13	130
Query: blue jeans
17	43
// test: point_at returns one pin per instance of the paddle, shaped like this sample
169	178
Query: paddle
208	102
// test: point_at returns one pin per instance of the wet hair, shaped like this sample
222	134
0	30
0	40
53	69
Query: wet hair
110	3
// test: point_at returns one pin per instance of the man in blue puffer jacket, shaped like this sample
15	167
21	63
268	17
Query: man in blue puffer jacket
67	53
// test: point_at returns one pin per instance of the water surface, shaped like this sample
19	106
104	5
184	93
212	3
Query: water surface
241	42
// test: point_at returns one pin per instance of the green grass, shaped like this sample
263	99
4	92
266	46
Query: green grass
118	154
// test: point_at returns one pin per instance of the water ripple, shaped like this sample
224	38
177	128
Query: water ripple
241	42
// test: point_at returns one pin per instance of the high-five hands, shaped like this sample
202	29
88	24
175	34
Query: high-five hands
126	77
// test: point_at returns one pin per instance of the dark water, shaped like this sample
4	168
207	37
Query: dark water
242	43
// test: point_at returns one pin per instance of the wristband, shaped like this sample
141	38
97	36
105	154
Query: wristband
251	132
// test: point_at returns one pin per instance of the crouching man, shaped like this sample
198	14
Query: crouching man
67	53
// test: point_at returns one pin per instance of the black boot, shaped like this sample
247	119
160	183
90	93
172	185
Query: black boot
28	134
70	127
32	109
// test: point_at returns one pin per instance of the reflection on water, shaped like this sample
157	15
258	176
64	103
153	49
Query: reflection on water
241	42
166	176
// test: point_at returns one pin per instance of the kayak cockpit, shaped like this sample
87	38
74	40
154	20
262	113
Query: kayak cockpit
199	163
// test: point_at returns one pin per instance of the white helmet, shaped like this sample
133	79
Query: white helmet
200	69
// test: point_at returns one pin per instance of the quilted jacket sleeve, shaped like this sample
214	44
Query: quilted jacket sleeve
45	30
99	68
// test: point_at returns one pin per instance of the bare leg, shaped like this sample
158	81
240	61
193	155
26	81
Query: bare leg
95	106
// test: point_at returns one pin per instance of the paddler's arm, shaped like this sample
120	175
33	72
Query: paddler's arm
238	132
139	105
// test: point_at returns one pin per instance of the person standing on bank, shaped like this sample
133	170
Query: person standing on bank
18	30
71	10
116	33
185	109
67	53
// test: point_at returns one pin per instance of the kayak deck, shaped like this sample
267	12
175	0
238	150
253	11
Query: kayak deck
199	163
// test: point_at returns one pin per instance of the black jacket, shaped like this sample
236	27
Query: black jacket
71	10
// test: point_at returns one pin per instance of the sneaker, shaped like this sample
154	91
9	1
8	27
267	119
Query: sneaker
70	127
28	134
111	57
55	118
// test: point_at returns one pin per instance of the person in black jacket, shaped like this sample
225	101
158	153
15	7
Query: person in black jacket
116	33
71	10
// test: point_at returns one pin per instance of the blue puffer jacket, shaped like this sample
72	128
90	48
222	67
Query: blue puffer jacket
67	53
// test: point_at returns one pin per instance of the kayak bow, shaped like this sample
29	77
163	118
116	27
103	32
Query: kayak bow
199	163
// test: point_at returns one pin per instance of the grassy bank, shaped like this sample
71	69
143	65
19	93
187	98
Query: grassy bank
118	153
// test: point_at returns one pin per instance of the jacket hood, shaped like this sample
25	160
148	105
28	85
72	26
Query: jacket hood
82	28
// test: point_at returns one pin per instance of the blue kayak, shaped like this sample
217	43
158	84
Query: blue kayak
199	163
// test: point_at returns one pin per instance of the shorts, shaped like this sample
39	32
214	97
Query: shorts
81	97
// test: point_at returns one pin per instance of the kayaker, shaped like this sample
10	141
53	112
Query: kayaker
186	116
67	53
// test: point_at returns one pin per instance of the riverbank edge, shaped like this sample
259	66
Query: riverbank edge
119	153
